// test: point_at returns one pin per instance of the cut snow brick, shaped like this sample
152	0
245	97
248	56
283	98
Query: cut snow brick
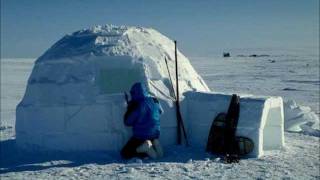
261	119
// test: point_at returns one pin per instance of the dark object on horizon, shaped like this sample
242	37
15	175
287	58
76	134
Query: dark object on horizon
289	89
254	55
226	54
272	61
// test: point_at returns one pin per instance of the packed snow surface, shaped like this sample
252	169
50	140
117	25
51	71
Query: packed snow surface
294	77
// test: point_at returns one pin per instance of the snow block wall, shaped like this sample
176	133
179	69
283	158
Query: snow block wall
74	99
261	119
73	127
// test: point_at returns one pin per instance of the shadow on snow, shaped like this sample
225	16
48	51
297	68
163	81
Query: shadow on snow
13	159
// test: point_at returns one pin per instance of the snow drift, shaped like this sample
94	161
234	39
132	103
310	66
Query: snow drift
74	99
301	119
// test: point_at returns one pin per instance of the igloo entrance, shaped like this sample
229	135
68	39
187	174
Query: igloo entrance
114	75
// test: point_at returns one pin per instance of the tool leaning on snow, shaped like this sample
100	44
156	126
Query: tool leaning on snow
175	94
222	137
143	115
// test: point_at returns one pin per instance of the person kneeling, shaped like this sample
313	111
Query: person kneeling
143	114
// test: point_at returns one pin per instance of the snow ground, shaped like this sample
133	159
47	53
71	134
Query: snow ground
299	160
292	77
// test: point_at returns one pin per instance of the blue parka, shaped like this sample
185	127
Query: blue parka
143	113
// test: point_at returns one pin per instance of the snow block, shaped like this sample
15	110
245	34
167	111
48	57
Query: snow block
261	119
85	127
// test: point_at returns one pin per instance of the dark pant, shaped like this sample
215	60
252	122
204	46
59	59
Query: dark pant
129	150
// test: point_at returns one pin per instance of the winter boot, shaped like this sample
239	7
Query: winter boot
147	148
157	147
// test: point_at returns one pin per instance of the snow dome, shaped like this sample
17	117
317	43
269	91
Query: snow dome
75	95
75	100
106	60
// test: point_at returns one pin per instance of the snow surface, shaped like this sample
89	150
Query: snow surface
292	77
299	160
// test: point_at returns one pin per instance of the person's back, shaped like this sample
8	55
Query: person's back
143	114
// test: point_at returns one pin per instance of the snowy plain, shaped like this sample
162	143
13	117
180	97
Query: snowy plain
294	77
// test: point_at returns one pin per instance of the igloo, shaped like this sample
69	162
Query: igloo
75	100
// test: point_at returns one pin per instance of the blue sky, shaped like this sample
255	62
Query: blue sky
202	28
